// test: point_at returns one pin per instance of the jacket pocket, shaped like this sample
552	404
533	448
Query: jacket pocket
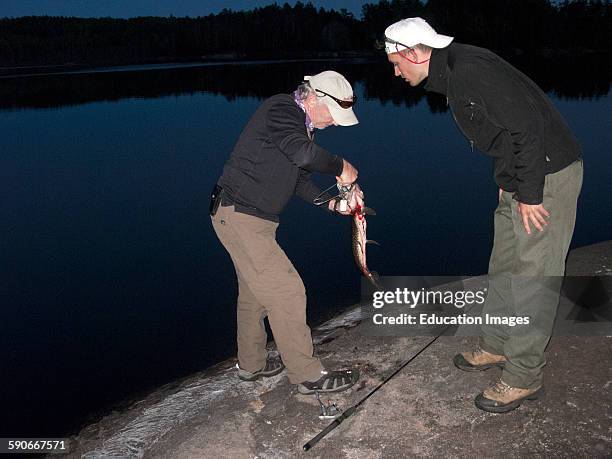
480	130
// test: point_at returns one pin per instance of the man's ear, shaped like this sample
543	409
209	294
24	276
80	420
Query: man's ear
412	54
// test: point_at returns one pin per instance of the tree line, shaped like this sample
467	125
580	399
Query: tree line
299	31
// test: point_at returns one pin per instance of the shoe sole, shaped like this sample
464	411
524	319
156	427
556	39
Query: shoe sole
261	375
324	391
540	393
480	367
477	367
305	391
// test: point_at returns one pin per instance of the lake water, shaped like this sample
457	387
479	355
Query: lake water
112	280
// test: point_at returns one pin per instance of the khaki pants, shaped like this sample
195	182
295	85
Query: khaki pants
268	286
525	277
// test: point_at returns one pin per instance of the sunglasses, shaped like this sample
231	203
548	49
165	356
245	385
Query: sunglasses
394	42
382	45
342	103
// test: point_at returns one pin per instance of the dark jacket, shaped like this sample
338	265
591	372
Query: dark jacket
273	160
505	115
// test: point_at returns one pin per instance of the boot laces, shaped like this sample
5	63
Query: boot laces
501	387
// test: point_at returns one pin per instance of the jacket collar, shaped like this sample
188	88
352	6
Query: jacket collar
437	81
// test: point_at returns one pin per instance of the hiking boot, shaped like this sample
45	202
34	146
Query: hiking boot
478	360
330	381
274	365
501	398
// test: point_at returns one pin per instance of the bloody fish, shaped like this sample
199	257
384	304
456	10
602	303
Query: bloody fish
360	241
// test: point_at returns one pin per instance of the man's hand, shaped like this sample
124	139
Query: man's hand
354	199
334	206
349	173
535	214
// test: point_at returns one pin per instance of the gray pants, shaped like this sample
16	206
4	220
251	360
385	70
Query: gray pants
268	285
525	276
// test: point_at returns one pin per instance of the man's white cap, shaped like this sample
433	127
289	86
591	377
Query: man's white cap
411	32
335	84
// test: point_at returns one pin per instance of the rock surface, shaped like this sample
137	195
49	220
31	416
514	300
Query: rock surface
426	410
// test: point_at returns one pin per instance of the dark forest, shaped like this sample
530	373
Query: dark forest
510	27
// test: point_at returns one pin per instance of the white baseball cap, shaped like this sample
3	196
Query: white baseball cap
330	85
411	32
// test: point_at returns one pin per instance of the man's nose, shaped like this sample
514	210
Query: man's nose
397	71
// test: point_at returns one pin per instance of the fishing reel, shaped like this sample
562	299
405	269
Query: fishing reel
330	411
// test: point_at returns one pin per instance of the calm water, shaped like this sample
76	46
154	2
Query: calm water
112	280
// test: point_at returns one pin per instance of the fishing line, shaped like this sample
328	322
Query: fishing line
350	411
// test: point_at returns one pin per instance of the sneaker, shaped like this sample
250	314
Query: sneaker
274	365
478	360
501	398
330	381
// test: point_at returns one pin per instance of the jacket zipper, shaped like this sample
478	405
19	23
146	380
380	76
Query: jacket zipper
459	125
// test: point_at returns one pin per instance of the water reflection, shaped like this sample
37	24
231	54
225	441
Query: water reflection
580	77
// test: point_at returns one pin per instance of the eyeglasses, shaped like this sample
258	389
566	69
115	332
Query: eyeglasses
342	103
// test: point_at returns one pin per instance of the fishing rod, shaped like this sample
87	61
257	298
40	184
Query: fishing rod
350	411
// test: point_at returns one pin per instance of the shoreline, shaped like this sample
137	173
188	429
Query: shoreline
192	61
238	59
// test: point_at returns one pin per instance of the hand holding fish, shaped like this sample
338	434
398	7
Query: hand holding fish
353	198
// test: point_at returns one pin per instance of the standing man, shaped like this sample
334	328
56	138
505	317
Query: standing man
271	161
538	168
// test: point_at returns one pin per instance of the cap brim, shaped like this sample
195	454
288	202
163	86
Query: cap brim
439	41
342	116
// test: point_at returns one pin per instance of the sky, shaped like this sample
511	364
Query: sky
132	8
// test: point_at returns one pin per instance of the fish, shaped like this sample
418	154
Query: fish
360	240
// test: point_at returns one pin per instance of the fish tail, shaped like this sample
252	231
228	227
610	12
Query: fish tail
374	279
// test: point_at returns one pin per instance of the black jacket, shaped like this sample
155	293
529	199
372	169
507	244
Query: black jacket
273	160
505	115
